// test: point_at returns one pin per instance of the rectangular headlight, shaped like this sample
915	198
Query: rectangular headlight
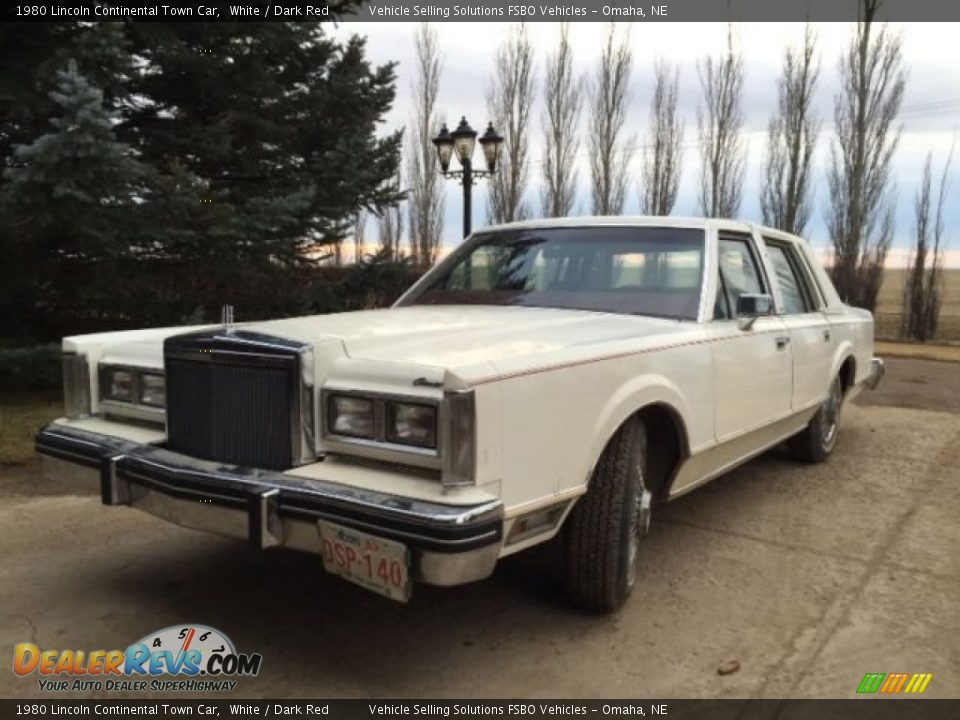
118	385
412	424
353	416
153	390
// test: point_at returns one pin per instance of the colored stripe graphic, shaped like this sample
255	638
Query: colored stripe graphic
893	683
871	682
918	683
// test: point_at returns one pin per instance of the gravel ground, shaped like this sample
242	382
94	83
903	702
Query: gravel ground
808	576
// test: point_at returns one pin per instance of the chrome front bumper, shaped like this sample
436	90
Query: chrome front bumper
449	544
877	370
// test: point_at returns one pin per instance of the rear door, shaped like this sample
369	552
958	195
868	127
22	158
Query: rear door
801	309
752	368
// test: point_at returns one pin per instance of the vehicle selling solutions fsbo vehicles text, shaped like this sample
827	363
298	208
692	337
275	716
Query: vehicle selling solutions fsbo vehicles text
462	11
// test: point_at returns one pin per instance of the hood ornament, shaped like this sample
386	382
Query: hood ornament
226	318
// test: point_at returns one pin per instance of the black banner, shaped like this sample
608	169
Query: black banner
859	709
478	10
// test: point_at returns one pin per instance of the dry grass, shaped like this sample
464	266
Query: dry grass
889	309
918	351
21	415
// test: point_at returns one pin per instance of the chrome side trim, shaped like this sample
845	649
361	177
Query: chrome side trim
725	456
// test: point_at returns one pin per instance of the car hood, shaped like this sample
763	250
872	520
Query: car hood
457	336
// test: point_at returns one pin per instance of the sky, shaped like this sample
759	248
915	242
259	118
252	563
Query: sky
930	114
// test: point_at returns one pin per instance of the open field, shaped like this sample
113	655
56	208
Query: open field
920	351
891	296
809	576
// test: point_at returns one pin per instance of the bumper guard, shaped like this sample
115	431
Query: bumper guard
877	370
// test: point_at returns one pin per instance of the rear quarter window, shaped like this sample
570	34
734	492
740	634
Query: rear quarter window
797	289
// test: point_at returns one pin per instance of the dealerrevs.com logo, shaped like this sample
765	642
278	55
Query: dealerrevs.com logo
199	657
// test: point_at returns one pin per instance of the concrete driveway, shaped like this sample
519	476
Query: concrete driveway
808	576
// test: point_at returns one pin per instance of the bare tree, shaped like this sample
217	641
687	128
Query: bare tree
860	218
610	148
563	96
390	226
785	198
509	102
663	153
923	281
425	199
359	234
720	124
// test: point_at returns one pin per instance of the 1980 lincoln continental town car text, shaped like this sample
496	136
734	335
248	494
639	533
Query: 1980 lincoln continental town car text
555	377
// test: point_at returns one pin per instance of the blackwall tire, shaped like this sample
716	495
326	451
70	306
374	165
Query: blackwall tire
816	441
606	528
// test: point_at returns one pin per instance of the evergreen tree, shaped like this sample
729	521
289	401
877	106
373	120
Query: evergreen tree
277	121
29	65
226	152
72	192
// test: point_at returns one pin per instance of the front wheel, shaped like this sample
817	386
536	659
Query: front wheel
816	441
608	524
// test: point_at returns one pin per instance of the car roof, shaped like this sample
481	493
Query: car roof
638	221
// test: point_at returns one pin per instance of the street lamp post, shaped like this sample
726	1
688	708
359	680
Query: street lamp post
463	141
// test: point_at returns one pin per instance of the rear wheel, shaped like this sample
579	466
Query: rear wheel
816	441
608	525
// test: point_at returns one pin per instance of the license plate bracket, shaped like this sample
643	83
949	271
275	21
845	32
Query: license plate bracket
375	563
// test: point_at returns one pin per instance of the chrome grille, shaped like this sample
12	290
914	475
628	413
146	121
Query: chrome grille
233	400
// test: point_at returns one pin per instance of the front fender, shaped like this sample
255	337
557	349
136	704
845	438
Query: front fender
630	398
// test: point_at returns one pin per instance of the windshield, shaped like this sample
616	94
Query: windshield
655	271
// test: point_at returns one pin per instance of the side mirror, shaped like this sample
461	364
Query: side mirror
750	307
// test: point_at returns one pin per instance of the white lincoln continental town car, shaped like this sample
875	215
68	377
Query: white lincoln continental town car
548	378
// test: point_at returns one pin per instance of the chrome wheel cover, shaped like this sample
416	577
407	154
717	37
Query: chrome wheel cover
639	517
831	415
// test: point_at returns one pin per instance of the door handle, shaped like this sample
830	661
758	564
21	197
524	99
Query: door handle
782	342
826	336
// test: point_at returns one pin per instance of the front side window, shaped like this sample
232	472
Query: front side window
739	275
652	271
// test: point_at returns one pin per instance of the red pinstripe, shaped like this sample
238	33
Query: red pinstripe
577	363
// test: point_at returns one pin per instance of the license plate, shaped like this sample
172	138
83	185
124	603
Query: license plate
373	562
